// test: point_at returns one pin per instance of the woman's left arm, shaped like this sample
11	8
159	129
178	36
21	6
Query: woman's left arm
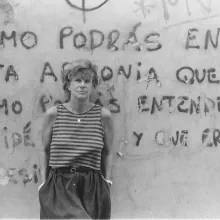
107	152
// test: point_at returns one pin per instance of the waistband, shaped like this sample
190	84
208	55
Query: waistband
73	169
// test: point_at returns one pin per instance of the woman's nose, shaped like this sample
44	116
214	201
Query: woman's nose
82	83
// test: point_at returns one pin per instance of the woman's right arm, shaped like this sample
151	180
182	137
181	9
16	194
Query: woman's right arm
46	134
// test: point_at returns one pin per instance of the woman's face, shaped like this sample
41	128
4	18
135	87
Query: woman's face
81	85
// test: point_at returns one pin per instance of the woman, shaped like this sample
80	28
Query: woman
77	139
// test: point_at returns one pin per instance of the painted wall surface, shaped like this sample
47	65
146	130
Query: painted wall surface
159	74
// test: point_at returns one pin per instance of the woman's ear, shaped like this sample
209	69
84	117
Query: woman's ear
94	83
68	87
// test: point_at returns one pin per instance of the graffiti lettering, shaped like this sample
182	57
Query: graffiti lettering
97	38
17	107
79	40
183	99
142	101
169	98
28	39
215	134
210	137
111	41
209	37
4	105
196	105
84	9
11	72
187	75
155	104
191	38
47	71
45	100
138	136
6	142
218	98
122	70
209	104
35	173
185	79
173	3
200	80
109	74
148	78
92	37
13	175
4	36
26	133
212	76
153	42
182	103
26	177
113	102
63	34
17	139
160	138
132	38
181	138
138	72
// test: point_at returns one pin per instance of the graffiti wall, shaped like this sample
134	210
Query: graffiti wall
158	74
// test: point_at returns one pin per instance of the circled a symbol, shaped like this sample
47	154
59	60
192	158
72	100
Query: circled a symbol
83	8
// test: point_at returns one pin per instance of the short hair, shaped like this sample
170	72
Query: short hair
71	68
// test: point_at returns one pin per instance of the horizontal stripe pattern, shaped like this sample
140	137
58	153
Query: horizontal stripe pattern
77	143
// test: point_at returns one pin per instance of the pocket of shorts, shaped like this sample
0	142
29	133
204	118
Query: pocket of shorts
41	185
108	185
45	182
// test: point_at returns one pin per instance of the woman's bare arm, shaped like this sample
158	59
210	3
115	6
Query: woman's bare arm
107	152
46	134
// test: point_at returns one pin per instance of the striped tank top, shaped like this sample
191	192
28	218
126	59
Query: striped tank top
77	139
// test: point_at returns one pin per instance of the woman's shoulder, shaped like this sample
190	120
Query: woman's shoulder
51	113
49	118
105	113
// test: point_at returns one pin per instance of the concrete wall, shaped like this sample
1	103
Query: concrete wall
159	74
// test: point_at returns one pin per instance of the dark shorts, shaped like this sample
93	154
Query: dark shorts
74	196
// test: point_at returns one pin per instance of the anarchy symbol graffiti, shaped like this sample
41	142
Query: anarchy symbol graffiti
83	7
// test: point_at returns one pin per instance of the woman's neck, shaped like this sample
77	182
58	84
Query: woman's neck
78	106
